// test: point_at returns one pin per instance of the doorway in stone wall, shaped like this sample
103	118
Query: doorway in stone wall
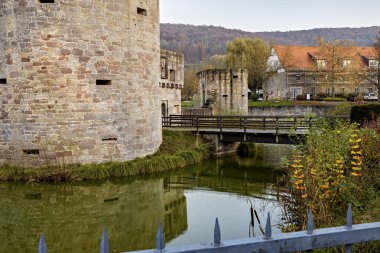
164	108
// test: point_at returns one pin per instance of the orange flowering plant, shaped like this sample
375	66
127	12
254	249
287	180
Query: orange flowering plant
328	172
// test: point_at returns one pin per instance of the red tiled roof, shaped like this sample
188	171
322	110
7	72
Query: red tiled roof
299	57
368	52
302	57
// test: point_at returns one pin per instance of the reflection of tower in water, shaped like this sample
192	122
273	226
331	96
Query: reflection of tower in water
175	213
72	216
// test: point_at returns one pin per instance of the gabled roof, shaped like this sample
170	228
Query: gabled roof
303	57
370	53
297	57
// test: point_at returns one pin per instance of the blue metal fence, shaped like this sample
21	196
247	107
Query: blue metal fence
288	242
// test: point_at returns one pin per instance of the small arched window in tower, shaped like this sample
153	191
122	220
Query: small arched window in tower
164	110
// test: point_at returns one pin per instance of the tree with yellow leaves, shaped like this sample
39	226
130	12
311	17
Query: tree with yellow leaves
338	65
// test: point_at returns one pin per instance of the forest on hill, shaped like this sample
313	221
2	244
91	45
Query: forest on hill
199	43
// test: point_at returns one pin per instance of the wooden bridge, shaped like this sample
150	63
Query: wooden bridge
258	129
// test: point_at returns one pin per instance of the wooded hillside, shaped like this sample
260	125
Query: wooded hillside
198	43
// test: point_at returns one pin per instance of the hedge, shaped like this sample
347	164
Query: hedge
363	113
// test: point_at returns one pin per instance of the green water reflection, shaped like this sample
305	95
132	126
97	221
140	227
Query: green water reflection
72	216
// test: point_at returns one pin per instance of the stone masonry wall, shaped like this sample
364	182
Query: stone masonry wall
223	90
172	67
81	81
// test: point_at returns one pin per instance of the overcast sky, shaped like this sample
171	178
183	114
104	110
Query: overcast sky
272	15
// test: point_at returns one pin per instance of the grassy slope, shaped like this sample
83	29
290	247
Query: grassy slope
289	103
179	149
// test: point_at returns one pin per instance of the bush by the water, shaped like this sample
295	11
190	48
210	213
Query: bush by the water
178	149
365	113
336	166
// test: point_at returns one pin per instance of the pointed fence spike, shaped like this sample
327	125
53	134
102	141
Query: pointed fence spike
160	239
104	247
217	237
310	225
42	248
349	217
268	229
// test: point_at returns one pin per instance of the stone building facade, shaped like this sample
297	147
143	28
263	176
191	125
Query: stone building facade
225	91
172	67
78	81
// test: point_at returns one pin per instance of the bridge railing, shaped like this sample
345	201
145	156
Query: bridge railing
288	242
273	123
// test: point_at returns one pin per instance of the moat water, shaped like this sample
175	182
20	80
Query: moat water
186	202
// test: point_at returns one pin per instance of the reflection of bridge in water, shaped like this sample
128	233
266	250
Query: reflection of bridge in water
234	186
245	177
258	129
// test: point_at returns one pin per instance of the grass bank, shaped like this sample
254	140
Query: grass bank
178	150
293	103
187	104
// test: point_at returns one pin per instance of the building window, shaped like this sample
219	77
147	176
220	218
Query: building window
164	108
373	63
142	11
164	68
321	63
295	92
346	63
177	109
31	151
45	1
356	89
313	91
370	90
110	139
3	81
172	75
103	82
298	78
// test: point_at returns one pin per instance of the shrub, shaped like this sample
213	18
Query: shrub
336	99
364	113
335	167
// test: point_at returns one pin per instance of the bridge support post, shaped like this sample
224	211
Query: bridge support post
218	146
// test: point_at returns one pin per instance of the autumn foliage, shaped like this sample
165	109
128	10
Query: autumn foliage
337	166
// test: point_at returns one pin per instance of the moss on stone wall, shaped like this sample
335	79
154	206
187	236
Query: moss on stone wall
178	150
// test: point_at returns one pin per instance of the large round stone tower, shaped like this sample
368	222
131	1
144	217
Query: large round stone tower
78	81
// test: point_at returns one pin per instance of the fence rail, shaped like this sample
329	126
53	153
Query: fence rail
245	123
290	242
